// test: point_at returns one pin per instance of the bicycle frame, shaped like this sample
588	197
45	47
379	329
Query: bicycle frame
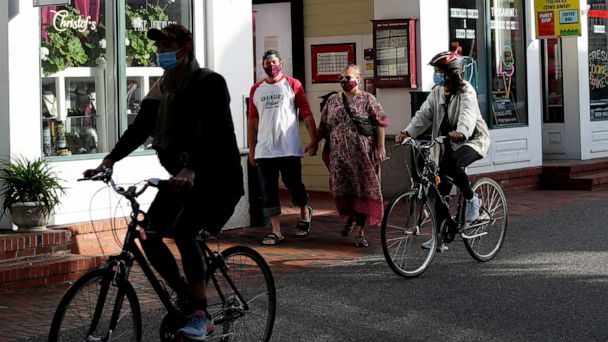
429	179
132	253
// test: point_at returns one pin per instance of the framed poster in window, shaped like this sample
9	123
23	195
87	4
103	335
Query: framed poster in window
328	60
395	53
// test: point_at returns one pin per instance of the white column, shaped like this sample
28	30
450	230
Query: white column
4	94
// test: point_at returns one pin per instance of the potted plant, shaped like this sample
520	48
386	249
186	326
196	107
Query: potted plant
30	190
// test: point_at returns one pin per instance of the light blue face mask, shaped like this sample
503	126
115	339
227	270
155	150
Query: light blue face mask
168	60
439	78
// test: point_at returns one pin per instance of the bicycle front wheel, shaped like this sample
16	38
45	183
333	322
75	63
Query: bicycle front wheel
407	224
94	309
251	316
487	234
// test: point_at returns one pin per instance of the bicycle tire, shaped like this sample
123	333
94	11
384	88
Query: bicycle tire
401	241
76	310
252	277
494	209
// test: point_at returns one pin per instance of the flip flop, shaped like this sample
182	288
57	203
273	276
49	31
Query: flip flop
303	227
273	239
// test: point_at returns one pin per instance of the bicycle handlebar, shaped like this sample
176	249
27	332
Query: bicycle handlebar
422	144
131	192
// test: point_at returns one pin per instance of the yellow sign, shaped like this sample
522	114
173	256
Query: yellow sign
557	18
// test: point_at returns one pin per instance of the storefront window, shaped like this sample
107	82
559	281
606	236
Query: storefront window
508	67
467	35
82	112
553	96
598	58
497	71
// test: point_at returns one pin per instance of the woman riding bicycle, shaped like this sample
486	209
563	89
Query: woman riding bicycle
452	110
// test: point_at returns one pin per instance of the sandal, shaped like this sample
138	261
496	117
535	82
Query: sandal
303	227
348	227
273	239
361	242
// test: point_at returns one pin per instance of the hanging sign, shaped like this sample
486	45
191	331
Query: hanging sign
557	18
38	3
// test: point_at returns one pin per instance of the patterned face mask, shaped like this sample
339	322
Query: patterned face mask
273	70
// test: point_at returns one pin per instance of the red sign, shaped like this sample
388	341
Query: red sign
599	14
546	24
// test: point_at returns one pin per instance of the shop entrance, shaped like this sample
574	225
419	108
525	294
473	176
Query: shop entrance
554	127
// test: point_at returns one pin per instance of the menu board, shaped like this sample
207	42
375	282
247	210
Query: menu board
395	53
504	109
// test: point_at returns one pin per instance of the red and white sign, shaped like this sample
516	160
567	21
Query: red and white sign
546	24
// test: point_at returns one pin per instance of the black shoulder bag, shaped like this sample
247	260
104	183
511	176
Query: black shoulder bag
364	126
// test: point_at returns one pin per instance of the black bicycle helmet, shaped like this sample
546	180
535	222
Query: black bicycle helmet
447	60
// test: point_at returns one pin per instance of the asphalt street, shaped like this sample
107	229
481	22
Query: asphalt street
549	283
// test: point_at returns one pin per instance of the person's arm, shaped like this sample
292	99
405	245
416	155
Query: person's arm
253	121
467	115
302	104
422	120
135	135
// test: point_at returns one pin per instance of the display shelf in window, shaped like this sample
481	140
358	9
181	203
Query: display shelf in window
395	53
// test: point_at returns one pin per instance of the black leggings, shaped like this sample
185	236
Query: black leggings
453	164
181	217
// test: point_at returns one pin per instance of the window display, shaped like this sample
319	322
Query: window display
598	58
81	111
508	62
502	92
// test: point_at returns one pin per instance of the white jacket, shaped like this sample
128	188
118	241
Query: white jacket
463	113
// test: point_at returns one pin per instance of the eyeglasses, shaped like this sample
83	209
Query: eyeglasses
345	78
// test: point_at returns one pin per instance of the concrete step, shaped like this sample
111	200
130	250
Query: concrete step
45	270
576	168
589	177
23	245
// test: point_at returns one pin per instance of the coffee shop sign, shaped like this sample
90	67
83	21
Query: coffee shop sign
62	22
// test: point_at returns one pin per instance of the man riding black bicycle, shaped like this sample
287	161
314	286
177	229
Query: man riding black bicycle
187	114
452	110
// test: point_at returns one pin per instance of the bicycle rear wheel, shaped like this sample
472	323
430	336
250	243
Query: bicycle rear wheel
252	318
94	309
488	232
407	223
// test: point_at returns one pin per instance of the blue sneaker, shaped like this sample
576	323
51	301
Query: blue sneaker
472	212
199	327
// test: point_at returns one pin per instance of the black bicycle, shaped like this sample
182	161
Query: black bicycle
410	233
103	306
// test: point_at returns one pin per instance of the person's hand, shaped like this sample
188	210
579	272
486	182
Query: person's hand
252	156
401	136
381	153
312	147
456	136
105	164
184	180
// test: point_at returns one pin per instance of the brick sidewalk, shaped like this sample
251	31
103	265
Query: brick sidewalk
29	312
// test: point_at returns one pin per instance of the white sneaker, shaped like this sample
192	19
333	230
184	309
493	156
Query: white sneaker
472	212
441	247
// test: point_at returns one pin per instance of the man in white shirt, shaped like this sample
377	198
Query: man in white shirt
274	142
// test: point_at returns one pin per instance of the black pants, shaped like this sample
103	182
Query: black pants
290	169
453	164
181	216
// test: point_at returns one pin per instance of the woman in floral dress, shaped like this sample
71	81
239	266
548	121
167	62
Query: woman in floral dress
354	159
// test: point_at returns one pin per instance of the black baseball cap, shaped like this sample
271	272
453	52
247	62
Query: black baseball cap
173	32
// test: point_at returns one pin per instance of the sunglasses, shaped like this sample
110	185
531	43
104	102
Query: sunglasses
345	78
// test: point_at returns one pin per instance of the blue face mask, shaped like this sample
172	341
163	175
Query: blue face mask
168	60
438	78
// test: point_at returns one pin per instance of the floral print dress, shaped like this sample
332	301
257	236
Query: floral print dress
354	169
